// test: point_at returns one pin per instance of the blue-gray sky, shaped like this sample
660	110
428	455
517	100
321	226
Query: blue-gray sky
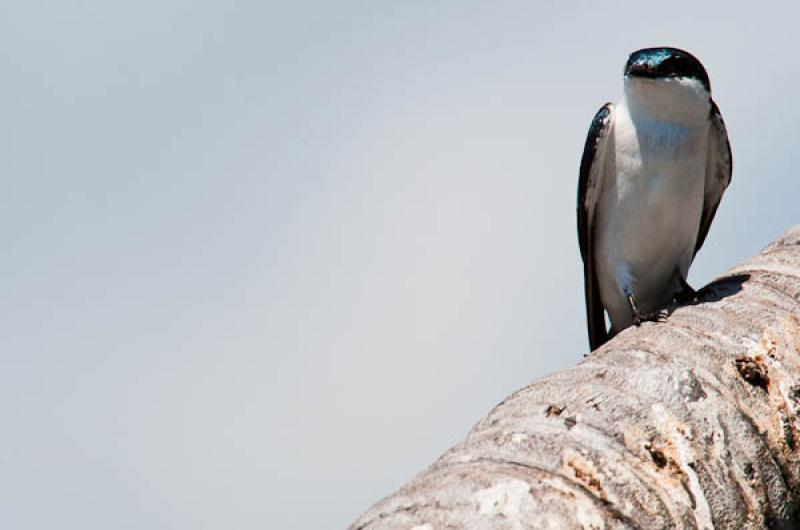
264	262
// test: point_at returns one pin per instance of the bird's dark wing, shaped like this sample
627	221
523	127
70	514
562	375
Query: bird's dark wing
590	184
719	168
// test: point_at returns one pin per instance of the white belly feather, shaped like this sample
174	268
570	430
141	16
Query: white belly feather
649	213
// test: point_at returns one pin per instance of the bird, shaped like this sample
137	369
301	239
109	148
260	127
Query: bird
654	168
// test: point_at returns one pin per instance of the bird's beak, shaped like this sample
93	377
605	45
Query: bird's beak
641	70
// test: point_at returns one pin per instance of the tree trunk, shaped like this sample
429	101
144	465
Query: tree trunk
687	423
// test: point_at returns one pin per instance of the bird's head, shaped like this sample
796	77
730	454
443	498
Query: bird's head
666	64
667	80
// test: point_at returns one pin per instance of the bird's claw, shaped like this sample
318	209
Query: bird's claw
655	316
638	317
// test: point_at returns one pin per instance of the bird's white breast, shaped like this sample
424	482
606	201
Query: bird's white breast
650	209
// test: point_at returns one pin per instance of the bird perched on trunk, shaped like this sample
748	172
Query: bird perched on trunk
654	169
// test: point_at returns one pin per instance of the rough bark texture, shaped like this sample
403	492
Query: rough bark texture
687	423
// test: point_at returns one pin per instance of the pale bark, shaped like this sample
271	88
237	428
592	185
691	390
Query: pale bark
687	423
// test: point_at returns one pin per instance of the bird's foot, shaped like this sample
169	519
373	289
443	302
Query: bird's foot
637	320
655	316
688	296
639	317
